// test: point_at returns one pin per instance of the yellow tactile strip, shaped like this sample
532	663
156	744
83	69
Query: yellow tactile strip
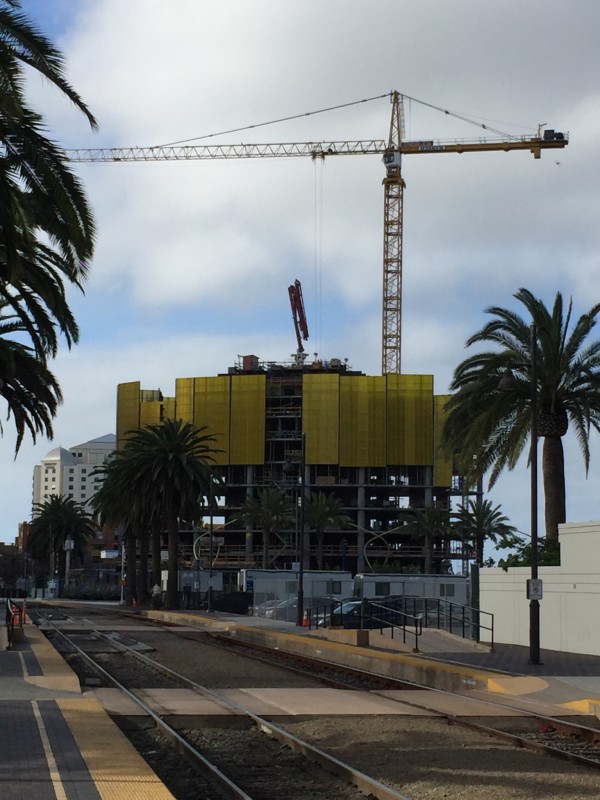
118	771
56	673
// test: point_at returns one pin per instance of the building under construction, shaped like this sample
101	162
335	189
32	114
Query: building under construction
372	441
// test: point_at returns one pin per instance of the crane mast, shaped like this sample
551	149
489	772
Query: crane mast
393	212
393	184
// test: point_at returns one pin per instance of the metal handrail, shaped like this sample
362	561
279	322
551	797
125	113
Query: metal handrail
461	619
414	620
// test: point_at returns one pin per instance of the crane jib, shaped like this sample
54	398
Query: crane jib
314	150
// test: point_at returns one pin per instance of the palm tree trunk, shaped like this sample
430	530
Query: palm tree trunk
172	599
142	575
130	581
553	465
265	548
427	553
320	542
156	559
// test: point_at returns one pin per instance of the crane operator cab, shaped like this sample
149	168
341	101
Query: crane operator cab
393	161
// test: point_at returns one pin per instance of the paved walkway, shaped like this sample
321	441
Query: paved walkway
55	743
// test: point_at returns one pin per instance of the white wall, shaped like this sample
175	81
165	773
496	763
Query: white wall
570	607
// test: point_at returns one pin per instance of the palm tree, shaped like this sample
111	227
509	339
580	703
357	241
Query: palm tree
487	428
113	505
165	467
58	519
27	386
324	512
428	525
269	511
477	520
46	225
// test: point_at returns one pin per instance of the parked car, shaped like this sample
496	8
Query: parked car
345	613
288	609
265	609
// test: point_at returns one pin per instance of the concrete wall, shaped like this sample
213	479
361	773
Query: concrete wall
570	607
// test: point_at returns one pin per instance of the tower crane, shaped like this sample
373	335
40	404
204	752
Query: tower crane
299	317
391	151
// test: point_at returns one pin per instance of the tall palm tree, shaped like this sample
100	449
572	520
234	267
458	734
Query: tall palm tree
270	512
488	428
323	513
115	506
166	467
46	225
478	520
58	519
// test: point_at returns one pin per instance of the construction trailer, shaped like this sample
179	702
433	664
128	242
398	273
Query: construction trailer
454	588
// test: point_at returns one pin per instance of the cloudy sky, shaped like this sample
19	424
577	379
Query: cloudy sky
193	259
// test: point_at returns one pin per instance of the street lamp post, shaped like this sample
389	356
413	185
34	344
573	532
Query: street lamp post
534	588
209	596
291	468
300	600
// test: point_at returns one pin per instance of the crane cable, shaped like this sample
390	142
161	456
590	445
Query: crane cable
274	121
445	111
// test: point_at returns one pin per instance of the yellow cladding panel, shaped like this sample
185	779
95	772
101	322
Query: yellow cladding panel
321	418
128	410
212	398
170	407
184	399
151	413
362	421
442	465
248	394
410	419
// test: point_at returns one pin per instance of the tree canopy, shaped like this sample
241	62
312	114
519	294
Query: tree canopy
46	229
487	427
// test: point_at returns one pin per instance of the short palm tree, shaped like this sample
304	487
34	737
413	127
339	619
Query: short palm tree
430	526
478	521
487	428
270	512
166	468
56	520
324	512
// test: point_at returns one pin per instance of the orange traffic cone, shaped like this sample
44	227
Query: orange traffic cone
306	620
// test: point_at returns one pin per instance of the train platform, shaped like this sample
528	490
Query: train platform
566	683
54	742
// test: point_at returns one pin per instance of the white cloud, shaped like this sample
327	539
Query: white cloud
193	259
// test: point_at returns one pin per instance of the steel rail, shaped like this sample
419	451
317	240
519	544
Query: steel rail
364	783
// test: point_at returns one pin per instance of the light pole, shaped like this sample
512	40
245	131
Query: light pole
534	589
209	596
291	468
300	601
534	585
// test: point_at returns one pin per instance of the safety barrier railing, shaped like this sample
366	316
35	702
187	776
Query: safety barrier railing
456	618
367	615
394	620
14	619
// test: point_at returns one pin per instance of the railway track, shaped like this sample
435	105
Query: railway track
257	760
578	743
